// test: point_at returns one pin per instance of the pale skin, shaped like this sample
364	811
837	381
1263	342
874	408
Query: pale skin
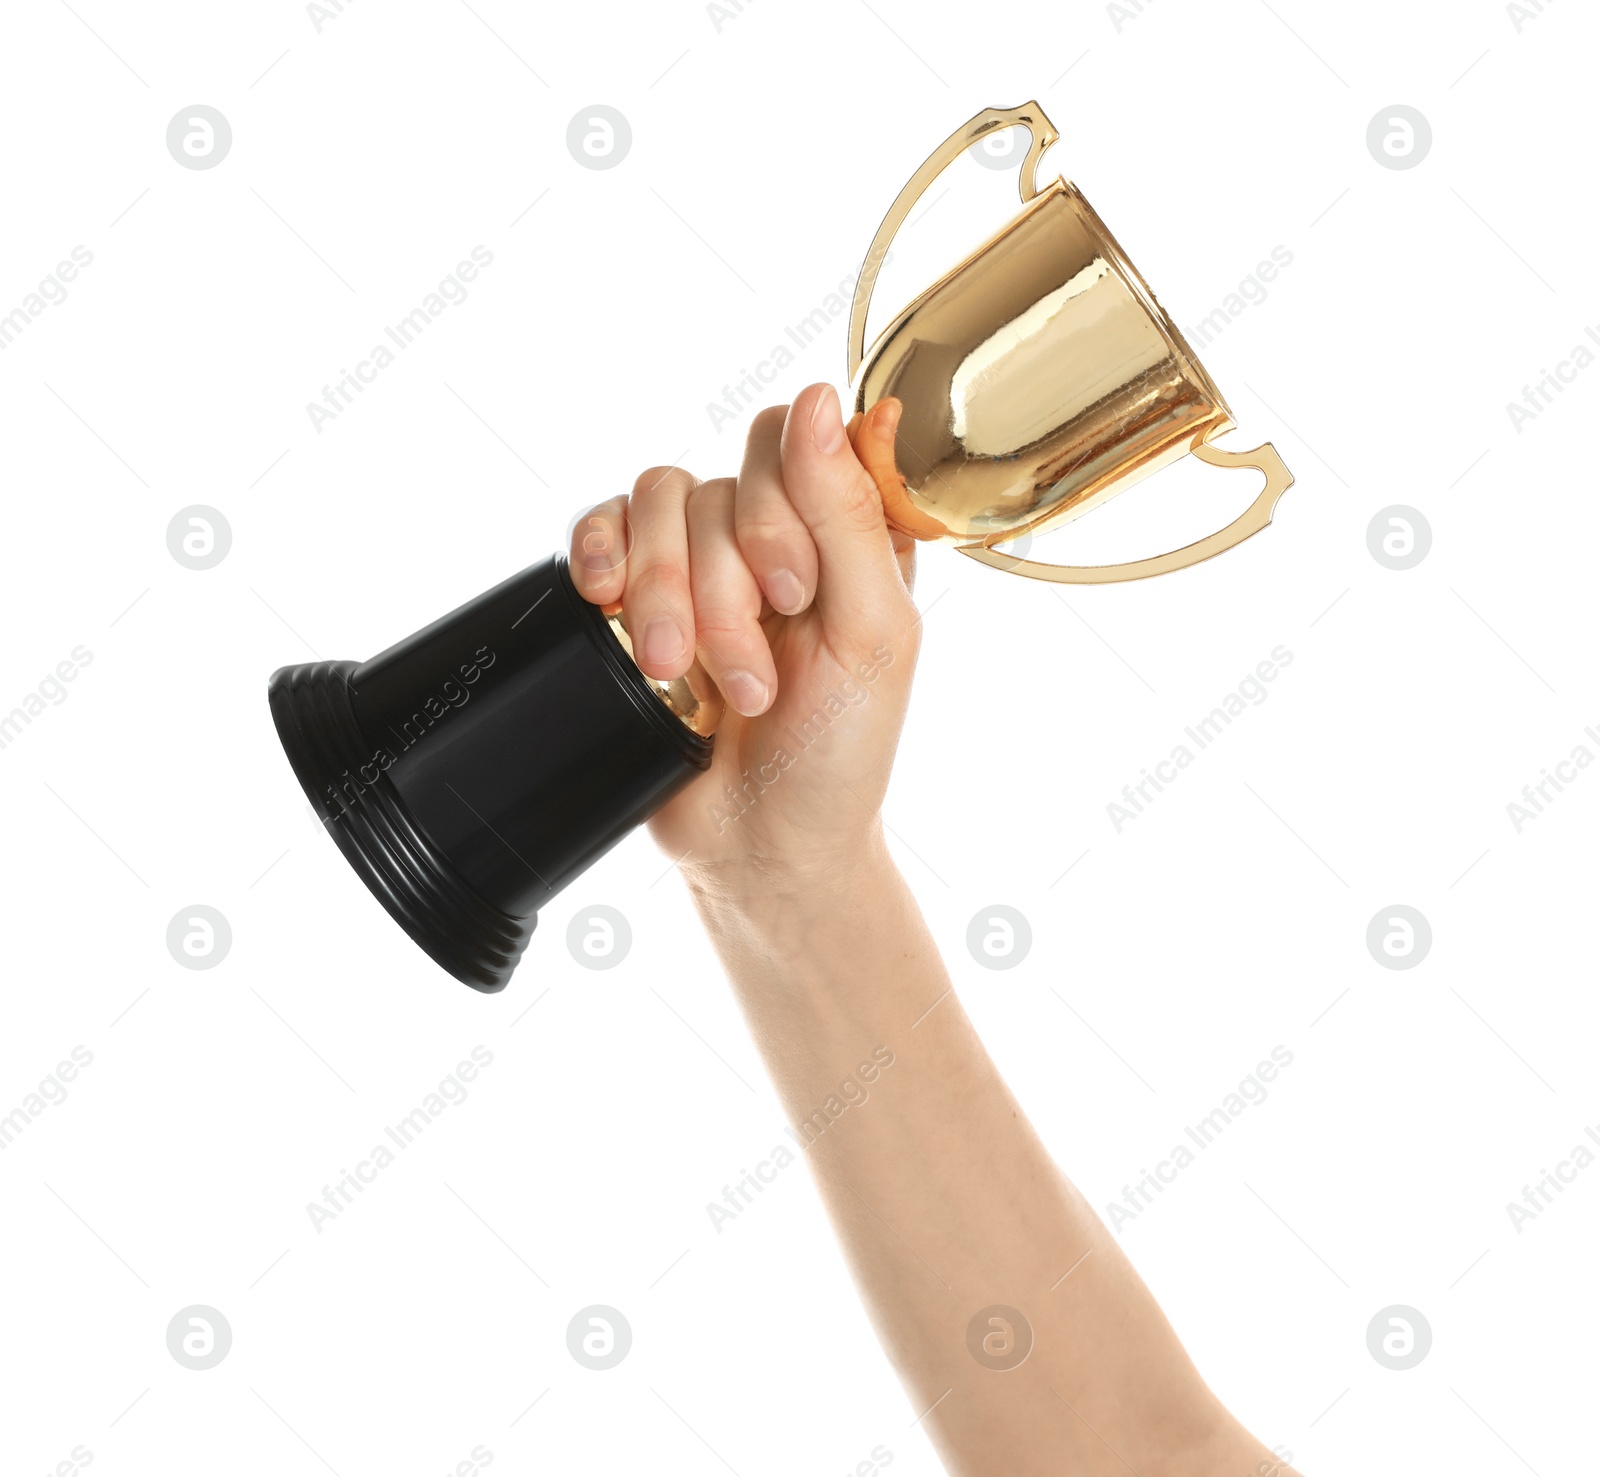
790	588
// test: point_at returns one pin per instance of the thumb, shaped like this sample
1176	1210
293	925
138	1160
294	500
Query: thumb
858	578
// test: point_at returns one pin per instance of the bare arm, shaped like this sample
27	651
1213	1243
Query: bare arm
1008	1309
946	1202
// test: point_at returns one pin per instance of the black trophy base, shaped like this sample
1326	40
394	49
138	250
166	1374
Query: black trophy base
471	771
405	871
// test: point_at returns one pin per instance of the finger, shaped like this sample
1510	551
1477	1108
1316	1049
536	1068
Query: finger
656	602
727	602
872	439
873	449
838	501
874	443
872	436
773	538
600	552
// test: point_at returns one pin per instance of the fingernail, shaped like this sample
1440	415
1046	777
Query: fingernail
889	419
746	691
597	563
785	591
827	427
663	641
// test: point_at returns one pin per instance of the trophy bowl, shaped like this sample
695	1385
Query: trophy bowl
1038	378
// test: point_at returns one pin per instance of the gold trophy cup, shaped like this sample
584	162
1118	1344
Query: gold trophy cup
1038	378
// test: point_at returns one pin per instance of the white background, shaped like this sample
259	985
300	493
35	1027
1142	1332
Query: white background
367	160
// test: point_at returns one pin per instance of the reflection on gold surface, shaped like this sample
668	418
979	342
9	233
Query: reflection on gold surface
1039	377
693	698
1036	379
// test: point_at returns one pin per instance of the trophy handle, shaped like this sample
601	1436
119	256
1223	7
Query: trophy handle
1258	515
1030	115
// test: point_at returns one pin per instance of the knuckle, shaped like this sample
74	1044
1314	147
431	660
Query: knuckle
668	482
767	532
720	628
856	503
733	646
767	424
709	498
601	516
660	578
606	515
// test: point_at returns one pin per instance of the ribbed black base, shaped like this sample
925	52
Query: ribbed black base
472	939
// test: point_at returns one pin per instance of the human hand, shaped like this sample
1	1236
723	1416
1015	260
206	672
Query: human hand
796	596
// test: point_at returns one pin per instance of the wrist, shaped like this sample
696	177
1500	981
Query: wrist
766	895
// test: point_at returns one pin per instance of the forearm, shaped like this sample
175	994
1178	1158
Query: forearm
944	1198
